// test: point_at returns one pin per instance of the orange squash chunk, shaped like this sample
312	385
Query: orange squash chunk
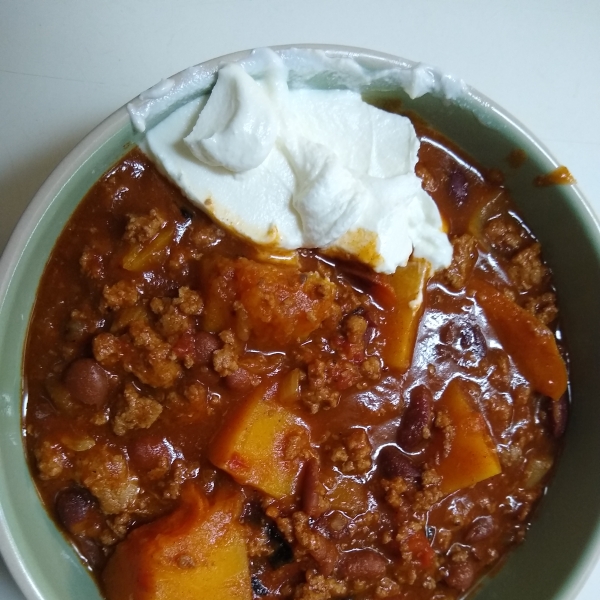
253	444
526	339
197	551
289	389
141	257
218	293
400	330
282	303
472	455
349	496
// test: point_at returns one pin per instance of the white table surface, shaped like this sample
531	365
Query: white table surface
65	65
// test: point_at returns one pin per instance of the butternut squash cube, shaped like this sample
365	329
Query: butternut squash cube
282	303
141	257
289	390
526	339
349	496
254	444
218	292
197	551
402	322
472	455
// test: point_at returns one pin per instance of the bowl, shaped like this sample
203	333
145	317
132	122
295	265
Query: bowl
564	540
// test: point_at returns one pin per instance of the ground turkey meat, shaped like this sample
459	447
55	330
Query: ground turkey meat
135	412
107	475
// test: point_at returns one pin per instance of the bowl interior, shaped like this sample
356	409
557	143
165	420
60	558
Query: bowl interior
564	539
43	563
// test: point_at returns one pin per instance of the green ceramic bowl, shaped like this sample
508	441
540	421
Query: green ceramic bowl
564	541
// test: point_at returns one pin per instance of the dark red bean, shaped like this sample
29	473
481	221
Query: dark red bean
460	575
415	419
91	552
464	336
392	463
87	382
458	186
325	552
559	411
149	451
240	381
363	564
274	579
480	529
311	500
206	344
73	506
252	513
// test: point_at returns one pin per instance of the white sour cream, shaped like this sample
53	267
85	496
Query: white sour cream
302	168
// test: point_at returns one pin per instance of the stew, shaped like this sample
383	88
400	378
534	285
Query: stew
204	416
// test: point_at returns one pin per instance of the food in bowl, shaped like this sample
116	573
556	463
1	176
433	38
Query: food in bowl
205	414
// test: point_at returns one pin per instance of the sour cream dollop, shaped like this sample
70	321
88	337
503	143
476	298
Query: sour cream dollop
303	168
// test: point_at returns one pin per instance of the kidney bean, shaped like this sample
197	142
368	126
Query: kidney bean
206	344
460	575
480	529
458	186
240	380
416	418
311	504
91	552
73	506
393	463
464	336
559	410
325	552
252	513
363	564
286	575
87	382
149	451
